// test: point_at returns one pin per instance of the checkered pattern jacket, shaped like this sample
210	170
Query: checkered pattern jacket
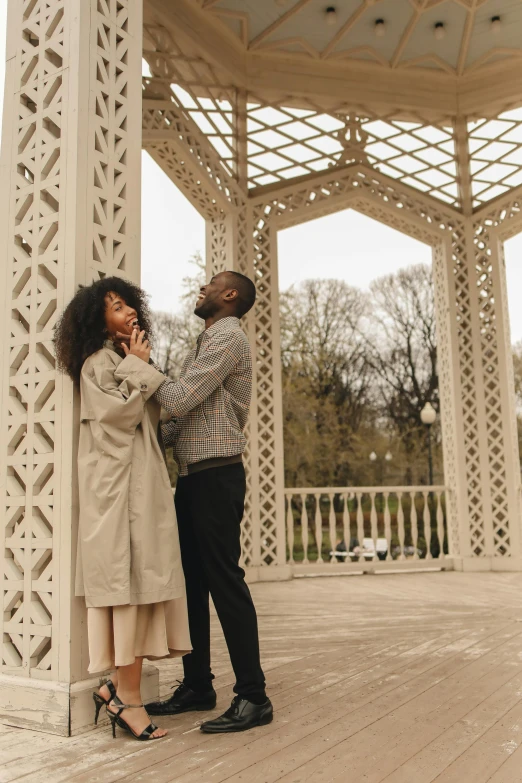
210	401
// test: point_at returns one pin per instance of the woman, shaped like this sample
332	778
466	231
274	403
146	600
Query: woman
129	565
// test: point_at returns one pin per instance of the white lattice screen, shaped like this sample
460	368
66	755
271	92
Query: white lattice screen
495	147
44	264
286	142
196	86
400	162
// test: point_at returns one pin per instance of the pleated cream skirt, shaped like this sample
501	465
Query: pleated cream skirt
120	634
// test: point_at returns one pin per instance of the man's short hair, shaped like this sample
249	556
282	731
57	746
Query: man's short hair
246	291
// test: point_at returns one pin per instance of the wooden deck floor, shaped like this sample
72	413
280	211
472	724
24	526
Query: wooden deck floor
399	678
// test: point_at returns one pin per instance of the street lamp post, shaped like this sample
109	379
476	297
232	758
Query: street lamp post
428	416
387	458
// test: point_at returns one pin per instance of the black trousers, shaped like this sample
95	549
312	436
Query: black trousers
209	507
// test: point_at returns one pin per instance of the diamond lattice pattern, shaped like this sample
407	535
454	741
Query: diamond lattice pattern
286	142
495	147
196	86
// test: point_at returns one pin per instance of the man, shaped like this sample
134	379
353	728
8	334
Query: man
210	406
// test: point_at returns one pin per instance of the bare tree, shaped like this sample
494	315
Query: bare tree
326	380
401	336
402	348
176	333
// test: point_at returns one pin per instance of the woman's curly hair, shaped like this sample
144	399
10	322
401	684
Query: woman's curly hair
81	330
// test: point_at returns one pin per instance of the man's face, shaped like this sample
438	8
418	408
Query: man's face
211	296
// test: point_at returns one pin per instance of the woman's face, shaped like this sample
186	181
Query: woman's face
119	317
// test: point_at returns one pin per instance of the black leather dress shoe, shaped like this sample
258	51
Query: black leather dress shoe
240	716
183	700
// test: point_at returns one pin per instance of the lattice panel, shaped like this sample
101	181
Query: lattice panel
227	249
109	140
197	87
418	217
469	395
249	543
34	246
485	293
506	217
446	387
495	147
285	142
218	248
179	146
266	304
39	174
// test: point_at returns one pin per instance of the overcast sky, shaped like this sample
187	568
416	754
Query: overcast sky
347	245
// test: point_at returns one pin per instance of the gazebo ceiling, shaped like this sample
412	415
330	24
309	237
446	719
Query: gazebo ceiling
438	57
234	69
452	36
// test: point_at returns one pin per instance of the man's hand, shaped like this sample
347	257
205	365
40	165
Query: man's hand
138	346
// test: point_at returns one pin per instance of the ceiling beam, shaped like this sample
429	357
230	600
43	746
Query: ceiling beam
185	19
278	23
339	82
331	83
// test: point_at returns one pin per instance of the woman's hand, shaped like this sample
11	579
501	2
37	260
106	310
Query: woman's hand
138	346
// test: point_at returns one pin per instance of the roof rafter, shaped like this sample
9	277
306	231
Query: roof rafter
464	45
347	26
278	23
405	37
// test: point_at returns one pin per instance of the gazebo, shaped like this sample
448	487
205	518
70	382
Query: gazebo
265	114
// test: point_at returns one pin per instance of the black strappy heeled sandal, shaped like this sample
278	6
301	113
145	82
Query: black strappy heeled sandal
115	718
99	701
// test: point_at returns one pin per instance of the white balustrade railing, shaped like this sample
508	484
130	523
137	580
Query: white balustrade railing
375	524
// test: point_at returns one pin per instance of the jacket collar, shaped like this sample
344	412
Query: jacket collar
220	326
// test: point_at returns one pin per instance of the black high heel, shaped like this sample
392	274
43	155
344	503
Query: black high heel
115	718
99	701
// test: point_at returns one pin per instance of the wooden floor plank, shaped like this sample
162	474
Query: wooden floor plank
303	719
319	753
307	678
510	771
407	678
410	728
62	769
487	755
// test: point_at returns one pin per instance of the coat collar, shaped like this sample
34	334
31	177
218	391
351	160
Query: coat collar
220	326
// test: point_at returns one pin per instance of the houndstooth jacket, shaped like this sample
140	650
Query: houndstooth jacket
210	402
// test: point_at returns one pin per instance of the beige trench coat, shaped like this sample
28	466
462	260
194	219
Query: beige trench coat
128	548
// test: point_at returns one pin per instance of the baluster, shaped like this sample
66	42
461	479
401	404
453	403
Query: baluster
373	523
360	519
400	525
290	529
333	526
440	525
414	526
346	525
319	528
387	524
427	525
304	529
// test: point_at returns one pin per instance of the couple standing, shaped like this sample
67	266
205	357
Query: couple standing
132	568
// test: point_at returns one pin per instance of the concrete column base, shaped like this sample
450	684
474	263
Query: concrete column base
268	573
59	708
481	564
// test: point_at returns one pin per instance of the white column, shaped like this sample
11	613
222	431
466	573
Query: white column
487	475
228	247
70	197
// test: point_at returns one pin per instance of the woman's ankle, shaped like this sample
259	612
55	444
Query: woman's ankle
129	696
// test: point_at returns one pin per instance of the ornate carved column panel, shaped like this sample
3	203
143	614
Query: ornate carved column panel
71	193
229	241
